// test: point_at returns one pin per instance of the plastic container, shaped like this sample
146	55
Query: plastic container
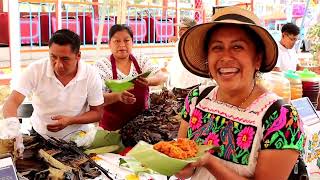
310	85
295	84
277	83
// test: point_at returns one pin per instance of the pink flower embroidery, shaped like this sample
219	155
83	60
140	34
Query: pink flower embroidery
186	102
212	139
196	120
245	138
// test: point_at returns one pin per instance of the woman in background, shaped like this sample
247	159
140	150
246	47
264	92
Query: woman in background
120	107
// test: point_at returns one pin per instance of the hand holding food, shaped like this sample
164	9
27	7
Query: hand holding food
126	97
142	81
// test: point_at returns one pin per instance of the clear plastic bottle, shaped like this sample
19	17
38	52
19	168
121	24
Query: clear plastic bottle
277	83
295	84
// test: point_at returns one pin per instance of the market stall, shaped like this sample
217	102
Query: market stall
94	154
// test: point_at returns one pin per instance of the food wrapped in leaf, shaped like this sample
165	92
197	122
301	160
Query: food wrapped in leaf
162	163
183	148
124	84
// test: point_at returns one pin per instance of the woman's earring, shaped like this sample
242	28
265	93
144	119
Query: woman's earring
258	75
206	65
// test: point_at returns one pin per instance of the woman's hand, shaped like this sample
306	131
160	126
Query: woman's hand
203	161
126	97
189	170
142	82
186	172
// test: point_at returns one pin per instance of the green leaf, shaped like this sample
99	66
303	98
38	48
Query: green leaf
124	84
105	138
135	166
122	161
119	85
102	150
161	163
245	158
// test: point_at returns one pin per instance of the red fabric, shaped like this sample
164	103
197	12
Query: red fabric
4	30
92	28
27	34
164	29
116	115
139	29
125	151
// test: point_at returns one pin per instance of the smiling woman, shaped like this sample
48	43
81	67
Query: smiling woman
238	115
121	107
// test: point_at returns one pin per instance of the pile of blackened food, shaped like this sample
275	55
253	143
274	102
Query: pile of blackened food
160	122
45	160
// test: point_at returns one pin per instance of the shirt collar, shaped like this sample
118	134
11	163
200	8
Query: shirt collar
81	72
282	47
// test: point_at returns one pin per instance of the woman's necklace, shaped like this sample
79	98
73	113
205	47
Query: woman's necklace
245	99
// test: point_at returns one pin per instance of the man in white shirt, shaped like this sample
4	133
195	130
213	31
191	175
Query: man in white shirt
66	92
180	77
287	58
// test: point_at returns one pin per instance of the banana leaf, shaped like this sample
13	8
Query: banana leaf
124	84
161	163
119	85
105	138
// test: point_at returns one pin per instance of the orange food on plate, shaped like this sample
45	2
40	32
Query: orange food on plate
181	149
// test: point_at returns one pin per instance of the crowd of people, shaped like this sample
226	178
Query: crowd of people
259	135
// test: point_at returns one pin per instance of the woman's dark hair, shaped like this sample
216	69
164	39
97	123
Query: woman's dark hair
120	27
66	37
253	36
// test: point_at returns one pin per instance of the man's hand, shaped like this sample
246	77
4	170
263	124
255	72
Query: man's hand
142	82
127	97
61	123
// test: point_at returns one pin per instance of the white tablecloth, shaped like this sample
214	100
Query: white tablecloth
110	162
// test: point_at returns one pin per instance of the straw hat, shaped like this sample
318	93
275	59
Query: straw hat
191	45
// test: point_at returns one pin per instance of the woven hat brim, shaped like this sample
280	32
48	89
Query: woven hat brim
194	57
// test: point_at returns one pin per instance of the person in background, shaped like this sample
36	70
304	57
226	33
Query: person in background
183	26
287	58
259	136
121	107
180	77
66	92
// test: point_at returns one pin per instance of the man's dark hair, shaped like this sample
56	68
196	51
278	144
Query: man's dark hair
290	28
119	27
66	37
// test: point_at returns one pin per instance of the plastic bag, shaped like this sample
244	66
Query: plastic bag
11	130
95	138
84	138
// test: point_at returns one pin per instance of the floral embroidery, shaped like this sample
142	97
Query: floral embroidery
235	138
245	138
196	121
212	139
278	123
282	129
